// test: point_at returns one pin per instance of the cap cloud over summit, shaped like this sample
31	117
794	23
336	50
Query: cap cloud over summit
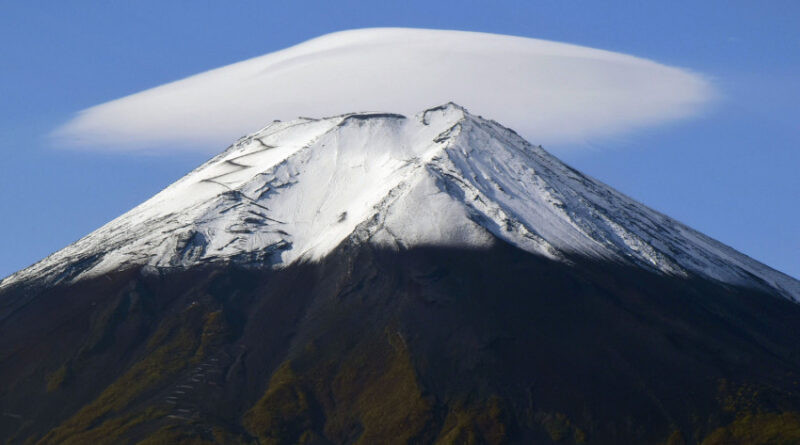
549	91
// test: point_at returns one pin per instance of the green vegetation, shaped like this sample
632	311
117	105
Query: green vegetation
57	379
369	396
676	438
190	435
560	428
759	429
370	393
380	386
486	423
738	398
214	333
107	432
171	435
171	348
756	416
283	414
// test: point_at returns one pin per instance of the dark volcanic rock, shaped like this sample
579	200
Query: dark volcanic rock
415	346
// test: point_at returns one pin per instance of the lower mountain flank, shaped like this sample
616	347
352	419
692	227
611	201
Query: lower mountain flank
424	345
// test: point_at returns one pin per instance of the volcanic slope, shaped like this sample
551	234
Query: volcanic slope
294	190
372	278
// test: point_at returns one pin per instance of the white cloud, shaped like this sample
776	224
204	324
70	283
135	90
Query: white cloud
549	92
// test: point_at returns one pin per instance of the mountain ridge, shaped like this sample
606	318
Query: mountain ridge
490	180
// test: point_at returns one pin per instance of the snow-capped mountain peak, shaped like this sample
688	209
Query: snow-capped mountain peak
295	190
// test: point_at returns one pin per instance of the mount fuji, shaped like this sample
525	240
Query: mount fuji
293	191
377	278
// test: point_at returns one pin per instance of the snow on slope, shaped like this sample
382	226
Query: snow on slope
295	190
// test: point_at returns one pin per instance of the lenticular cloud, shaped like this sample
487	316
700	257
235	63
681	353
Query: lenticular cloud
550	92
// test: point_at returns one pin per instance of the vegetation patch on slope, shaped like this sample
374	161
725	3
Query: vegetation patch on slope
370	395
172	347
482	424
759	429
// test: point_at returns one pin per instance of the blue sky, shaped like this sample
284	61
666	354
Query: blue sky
731	173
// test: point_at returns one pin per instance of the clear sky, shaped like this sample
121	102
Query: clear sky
732	173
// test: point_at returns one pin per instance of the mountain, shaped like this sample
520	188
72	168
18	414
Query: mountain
293	191
376	278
